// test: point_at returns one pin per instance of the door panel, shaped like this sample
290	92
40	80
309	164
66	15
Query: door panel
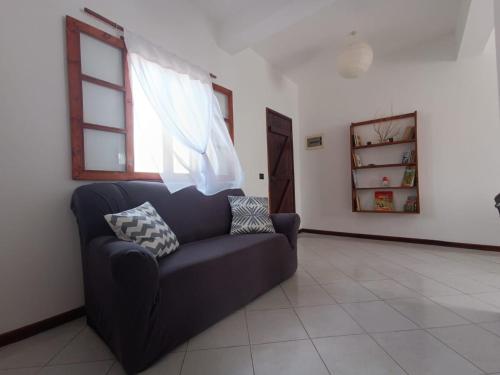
280	162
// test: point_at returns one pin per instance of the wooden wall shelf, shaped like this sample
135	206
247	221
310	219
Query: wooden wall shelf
410	119
387	188
383	144
386	166
389	212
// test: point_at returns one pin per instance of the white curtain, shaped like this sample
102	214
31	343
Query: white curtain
195	133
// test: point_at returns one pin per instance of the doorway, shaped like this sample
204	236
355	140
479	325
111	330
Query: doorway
280	162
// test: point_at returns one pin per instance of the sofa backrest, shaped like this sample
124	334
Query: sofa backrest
191	215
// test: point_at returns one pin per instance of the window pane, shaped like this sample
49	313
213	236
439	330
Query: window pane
104	151
100	60
223	103
148	134
103	106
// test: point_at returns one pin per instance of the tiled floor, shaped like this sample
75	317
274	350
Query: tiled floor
354	307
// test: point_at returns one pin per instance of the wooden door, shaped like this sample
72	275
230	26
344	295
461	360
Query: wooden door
280	162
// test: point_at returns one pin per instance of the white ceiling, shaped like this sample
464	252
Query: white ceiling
290	32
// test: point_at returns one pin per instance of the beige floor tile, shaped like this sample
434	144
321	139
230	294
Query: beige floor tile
377	316
86	347
300	277
330	320
169	364
474	343
287	358
308	295
234	361
470	308
92	368
490	298
421	354
231	331
39	349
345	291
274	325
387	289
426	313
355	355
21	371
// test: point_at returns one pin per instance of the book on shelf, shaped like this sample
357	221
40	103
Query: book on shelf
358	203
356	140
409	133
356	159
354	179
409	177
411	204
384	201
409	157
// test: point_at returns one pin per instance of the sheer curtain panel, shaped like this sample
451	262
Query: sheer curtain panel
195	134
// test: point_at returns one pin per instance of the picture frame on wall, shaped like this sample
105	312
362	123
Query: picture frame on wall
314	142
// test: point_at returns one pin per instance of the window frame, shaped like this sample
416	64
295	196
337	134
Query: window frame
230	119
76	78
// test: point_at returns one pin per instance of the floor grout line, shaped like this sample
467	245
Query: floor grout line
249	342
63	347
307	333
368	334
449	347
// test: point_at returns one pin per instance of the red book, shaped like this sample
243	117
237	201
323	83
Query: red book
384	201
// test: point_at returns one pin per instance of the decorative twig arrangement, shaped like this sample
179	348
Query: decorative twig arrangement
386	131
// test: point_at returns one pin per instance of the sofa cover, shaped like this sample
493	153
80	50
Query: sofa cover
143	307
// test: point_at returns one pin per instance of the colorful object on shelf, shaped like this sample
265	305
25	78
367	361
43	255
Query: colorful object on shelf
409	157
384	201
385	181
409	177
411	204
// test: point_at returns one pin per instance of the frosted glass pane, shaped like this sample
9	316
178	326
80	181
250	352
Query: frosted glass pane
222	103
100	60
104	151
103	106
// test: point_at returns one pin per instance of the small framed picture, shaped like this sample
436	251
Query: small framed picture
314	142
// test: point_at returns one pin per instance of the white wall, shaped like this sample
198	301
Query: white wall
496	5
459	158
40	271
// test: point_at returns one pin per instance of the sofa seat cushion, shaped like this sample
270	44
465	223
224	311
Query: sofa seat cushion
208	250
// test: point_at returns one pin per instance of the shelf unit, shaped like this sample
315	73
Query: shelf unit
354	169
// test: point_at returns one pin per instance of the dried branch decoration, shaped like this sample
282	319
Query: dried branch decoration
387	130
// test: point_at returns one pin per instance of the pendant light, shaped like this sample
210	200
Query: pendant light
355	59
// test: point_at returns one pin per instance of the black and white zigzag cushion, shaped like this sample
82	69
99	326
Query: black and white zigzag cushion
250	215
145	227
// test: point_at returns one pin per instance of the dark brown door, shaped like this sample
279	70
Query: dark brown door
280	162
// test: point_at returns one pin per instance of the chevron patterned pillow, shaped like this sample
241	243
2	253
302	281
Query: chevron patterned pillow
145	227
250	215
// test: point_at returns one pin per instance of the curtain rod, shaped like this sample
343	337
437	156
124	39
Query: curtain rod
116	26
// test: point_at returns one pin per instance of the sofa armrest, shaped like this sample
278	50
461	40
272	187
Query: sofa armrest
130	265
287	224
122	287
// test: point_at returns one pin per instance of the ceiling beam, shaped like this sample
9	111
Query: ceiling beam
248	28
474	27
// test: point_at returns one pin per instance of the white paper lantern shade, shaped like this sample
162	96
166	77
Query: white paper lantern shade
355	59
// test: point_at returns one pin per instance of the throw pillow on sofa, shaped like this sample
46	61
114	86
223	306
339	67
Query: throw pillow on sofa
250	215
143	226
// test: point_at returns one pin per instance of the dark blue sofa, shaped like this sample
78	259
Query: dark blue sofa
143	307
